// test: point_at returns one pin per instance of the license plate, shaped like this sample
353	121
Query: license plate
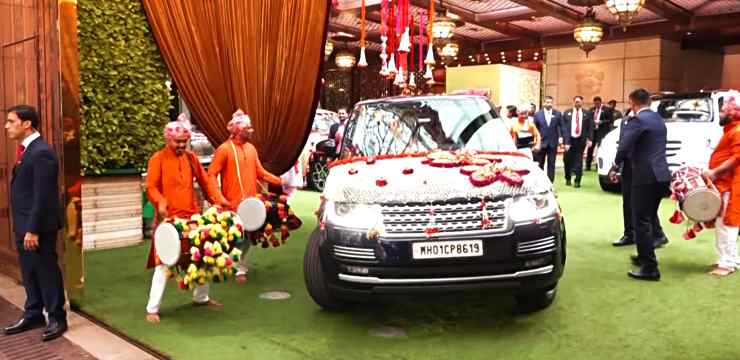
447	249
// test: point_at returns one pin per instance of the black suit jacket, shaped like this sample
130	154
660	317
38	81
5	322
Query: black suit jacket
587	131
643	142
550	134
34	191
606	119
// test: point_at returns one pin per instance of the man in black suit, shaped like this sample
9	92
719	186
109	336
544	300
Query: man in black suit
550	124
603	123
644	143
580	128
628	238
34	199
616	114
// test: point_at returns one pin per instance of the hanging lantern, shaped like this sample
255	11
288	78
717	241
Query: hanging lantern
589	32
363	60
443	27
328	48
345	59
624	10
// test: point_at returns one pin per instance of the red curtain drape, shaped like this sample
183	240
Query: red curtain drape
263	56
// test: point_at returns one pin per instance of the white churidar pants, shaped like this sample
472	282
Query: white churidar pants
159	283
726	239
241	266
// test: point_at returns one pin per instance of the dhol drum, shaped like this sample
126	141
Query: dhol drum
698	199
167	244
252	213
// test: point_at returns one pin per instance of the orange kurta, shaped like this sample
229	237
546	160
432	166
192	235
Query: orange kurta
170	179
729	148
250	169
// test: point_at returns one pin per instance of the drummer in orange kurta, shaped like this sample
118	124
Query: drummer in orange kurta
725	173
237	163
169	184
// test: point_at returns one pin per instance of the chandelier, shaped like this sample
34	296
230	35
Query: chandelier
328	48
447	50
624	10
345	59
444	25
589	32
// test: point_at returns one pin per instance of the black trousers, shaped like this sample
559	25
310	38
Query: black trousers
598	136
42	279
629	229
574	159
645	204
548	154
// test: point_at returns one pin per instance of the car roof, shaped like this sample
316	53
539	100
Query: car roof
404	99
686	95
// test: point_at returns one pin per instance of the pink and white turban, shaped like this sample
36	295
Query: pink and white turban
239	122
181	127
731	105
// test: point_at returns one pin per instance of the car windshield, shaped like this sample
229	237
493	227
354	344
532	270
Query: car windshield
684	110
425	124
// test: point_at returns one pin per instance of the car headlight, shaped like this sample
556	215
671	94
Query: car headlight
531	207
354	216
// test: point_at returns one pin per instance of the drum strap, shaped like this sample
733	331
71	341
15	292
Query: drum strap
238	171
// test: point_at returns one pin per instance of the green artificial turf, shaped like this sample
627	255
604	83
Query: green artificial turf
599	312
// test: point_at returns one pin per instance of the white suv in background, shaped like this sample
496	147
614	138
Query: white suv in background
692	120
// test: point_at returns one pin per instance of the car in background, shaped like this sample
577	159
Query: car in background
323	120
401	215
692	121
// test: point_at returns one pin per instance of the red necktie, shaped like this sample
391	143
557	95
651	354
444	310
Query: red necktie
19	154
578	123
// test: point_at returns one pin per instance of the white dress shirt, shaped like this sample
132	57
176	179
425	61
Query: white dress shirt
548	116
29	139
577	114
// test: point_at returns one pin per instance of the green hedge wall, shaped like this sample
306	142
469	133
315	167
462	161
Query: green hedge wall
122	78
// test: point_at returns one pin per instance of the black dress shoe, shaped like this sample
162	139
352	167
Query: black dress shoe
635	260
24	325
644	273
624	241
659	243
54	330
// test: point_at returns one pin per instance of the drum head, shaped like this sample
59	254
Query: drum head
167	244
253	214
702	205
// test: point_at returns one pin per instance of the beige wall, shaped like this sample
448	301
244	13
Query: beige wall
614	69
509	85
731	68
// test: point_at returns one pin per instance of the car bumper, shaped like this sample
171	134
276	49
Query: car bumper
358	267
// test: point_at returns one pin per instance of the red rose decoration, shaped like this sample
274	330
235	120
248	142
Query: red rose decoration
709	224
381	182
697	228
352	171
677	217
689	234
370	161
408	171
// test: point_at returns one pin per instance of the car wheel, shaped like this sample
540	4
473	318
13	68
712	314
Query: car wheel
609	186
318	174
532	301
315	277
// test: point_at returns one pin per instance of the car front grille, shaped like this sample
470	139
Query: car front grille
536	247
354	253
449	217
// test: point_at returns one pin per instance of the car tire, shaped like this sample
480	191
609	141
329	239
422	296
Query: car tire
609	186
317	174
537	300
315	277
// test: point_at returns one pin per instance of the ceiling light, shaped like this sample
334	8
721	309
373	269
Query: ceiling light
345	59
589	32
624	10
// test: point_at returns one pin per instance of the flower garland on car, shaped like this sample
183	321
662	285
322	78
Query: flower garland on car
482	167
214	238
